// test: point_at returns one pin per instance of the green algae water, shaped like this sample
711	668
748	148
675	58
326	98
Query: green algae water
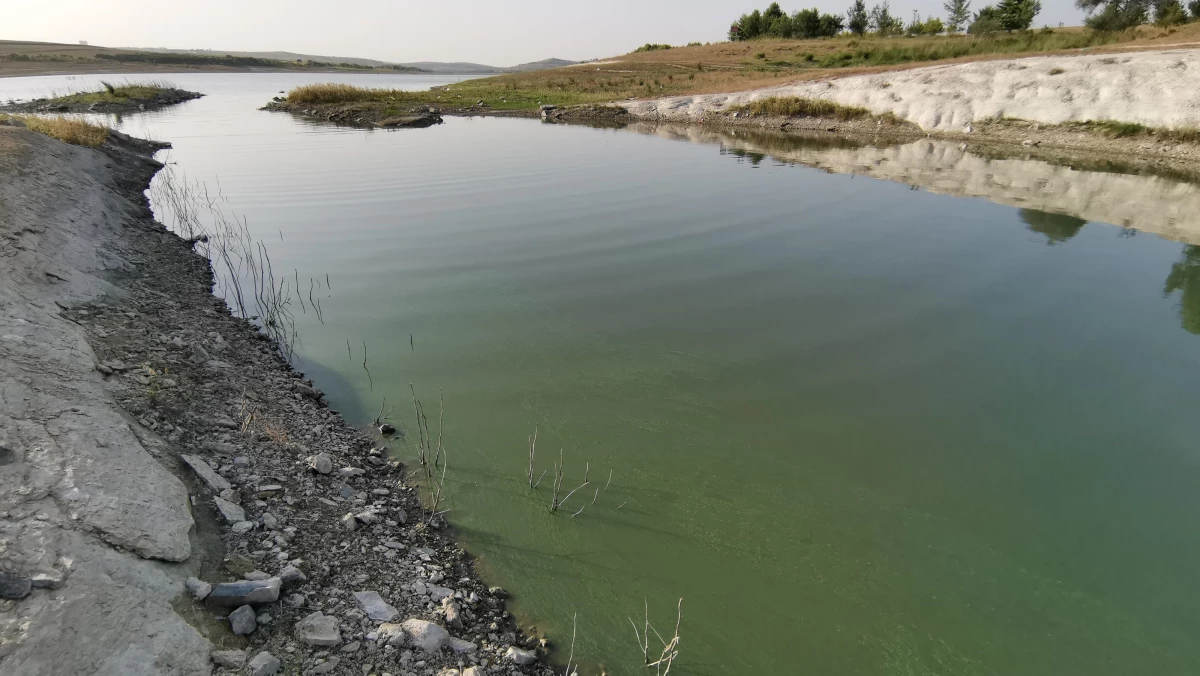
941	424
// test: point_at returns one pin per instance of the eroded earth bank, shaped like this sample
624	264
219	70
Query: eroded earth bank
174	499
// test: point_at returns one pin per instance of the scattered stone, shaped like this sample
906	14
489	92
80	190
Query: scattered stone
326	666
349	522
257	575
292	576
242	527
473	671
231	512
426	635
390	634
198	588
461	647
351	647
231	594
498	592
520	656
395	545
230	659
386	429
202	469
318	629
270	521
295	601
436	593
453	615
13	587
243	621
264	664
321	463
375	607
269	490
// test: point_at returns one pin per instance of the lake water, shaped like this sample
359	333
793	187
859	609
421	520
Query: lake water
940	424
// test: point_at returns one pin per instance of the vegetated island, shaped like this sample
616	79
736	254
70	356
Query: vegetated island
127	97
875	77
168	469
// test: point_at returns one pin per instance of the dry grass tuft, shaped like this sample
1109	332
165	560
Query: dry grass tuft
332	92
66	128
792	106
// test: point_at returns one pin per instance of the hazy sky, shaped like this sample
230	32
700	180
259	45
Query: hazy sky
495	32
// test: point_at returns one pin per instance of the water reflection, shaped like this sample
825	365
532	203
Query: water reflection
1057	228
1055	200
1185	278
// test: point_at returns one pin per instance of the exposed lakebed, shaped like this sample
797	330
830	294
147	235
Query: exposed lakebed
859	428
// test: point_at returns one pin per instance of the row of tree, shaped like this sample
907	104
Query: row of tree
773	22
1004	15
1119	15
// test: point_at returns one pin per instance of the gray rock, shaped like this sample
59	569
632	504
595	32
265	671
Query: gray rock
326	666
264	664
202	469
375	607
243	621
233	594
390	634
352	647
231	659
13	587
257	575
269	521
425	635
321	463
295	601
474	671
461	647
387	429
52	579
436	593
349	522
318	629
453	615
242	527
231	512
198	588
519	656
292	576
395	545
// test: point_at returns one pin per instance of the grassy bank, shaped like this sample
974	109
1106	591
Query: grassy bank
117	93
735	66
68	129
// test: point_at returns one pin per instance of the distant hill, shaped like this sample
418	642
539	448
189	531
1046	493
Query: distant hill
430	66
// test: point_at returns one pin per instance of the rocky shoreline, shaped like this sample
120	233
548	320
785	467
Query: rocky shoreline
67	104
295	546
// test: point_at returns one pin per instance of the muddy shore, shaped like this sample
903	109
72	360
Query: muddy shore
155	449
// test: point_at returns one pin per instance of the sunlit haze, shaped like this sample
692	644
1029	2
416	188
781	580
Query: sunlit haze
495	33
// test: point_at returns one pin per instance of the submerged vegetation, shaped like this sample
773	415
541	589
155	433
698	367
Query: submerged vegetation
68	129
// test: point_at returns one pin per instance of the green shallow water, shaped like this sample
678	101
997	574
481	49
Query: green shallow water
859	428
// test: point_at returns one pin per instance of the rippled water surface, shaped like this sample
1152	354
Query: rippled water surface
944	423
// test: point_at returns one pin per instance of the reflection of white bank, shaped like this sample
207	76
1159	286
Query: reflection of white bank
1161	206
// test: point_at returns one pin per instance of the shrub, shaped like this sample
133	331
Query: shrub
792	106
1118	15
74	130
1170	13
651	47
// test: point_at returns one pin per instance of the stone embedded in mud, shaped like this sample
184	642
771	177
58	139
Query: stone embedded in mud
52	579
243	621
264	664
198	588
13	587
426	635
230	659
231	512
318	629
321	463
375	607
520	656
245	592
387	429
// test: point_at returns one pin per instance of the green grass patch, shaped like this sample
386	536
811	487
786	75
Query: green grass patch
1118	129
117	93
793	106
